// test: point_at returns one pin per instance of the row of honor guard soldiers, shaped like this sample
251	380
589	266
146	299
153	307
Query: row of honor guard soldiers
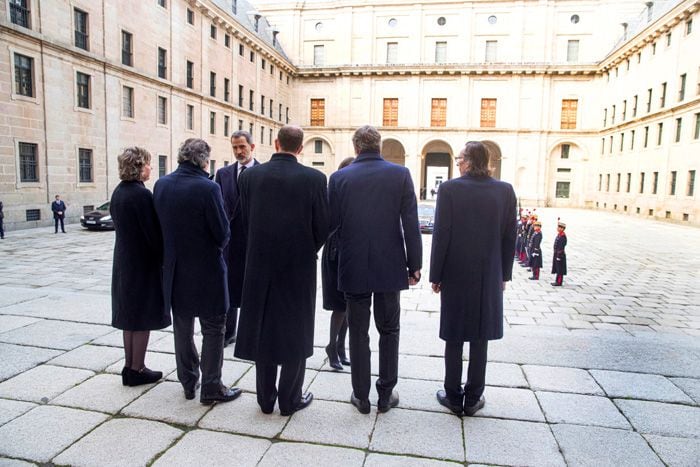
528	248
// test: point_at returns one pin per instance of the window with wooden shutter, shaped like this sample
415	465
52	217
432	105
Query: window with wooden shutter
318	112
568	113
488	113
438	112
391	112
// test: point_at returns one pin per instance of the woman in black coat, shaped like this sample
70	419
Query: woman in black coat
333	299
137	297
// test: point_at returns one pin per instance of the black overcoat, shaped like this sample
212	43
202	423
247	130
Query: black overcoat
373	206
472	255
559	258
536	249
137	291
285	213
333	299
58	206
195	231
234	253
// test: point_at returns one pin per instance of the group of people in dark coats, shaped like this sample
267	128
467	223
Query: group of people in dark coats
528	247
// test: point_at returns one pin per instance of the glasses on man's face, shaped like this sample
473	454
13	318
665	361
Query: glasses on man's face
459	159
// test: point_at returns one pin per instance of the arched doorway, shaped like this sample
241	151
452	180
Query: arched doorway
393	151
436	167
564	177
494	158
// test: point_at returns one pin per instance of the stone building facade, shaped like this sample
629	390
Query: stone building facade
590	104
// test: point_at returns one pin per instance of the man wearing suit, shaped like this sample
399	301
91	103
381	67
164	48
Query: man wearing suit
195	231
234	253
471	260
373	206
285	215
59	213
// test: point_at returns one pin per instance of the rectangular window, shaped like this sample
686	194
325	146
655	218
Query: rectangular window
438	112
226	123
80	34
263	63
628	185
662	100
270	137
696	133
162	63
569	109
641	182
318	146
240	95
607	182
127	49
649	94
390	116
611	144
19	13
612	117
679	123
190	74
634	106
279	115
602	145
251	96
270	108
624	110
681	87
28	162
668	39
661	133
212	84
617	185
488	113
33	214
565	148
212	32
162	110
491	51
212	166
632	139
127	102
162	3
286	114
262	135
655	183
227	41
85	165
690	189
240	125
689	26
600	182
622	142
318	112
262	105
605	117
252	56
646	136
190	117
563	189
392	52
190	16
83	90
572	51
162	165
241	49
227	89
24	75
250	128
319	55
440	52
212	123
672	187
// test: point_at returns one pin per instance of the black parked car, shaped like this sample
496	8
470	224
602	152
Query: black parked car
99	219
426	217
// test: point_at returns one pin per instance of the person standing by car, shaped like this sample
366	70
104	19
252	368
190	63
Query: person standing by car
59	213
137	294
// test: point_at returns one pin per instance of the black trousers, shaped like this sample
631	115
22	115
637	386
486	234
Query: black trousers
291	382
476	373
2	229
56	221
386	317
231	322
187	359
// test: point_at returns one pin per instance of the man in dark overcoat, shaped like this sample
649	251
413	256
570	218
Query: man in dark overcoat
195	231
59	213
471	260
285	214
373	206
234	253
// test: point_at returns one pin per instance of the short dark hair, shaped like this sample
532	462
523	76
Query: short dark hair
345	162
366	139
242	134
194	150
131	163
477	159
290	138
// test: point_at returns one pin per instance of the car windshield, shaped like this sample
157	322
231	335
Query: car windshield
426	210
104	207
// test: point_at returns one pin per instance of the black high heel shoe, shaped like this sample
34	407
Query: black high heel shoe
343	358
333	359
125	376
143	376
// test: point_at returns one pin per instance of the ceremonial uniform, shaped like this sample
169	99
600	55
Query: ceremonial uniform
559	259
535	252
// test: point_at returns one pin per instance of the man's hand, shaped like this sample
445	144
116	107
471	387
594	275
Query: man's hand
436	288
504	286
414	277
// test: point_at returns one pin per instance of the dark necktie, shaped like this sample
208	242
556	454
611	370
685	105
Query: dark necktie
242	169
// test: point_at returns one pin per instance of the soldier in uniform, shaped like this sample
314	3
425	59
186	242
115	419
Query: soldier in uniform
528	234
559	260
536	251
520	239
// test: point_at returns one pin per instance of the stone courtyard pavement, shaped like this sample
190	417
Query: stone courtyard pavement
602	371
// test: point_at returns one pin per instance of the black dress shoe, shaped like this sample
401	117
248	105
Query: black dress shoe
555	284
333	359
470	410
229	340
143	376
446	402
189	393
361	405
533	278
223	395
343	358
384	406
124	377
304	402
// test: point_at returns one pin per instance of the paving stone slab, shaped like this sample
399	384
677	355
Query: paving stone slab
419	367
676	452
662	419
639	386
560	379
10	409
120	442
13	295
518	404
4	462
166	402
209	448
19	358
392	434
52	334
89	357
310	455
243	416
690	386
581	410
386	460
9	322
44	431
42	383
330	385
103	393
504	374
330	423
596	446
510	442
85	308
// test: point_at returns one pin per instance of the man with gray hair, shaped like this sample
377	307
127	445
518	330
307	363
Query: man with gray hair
373	207
195	231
